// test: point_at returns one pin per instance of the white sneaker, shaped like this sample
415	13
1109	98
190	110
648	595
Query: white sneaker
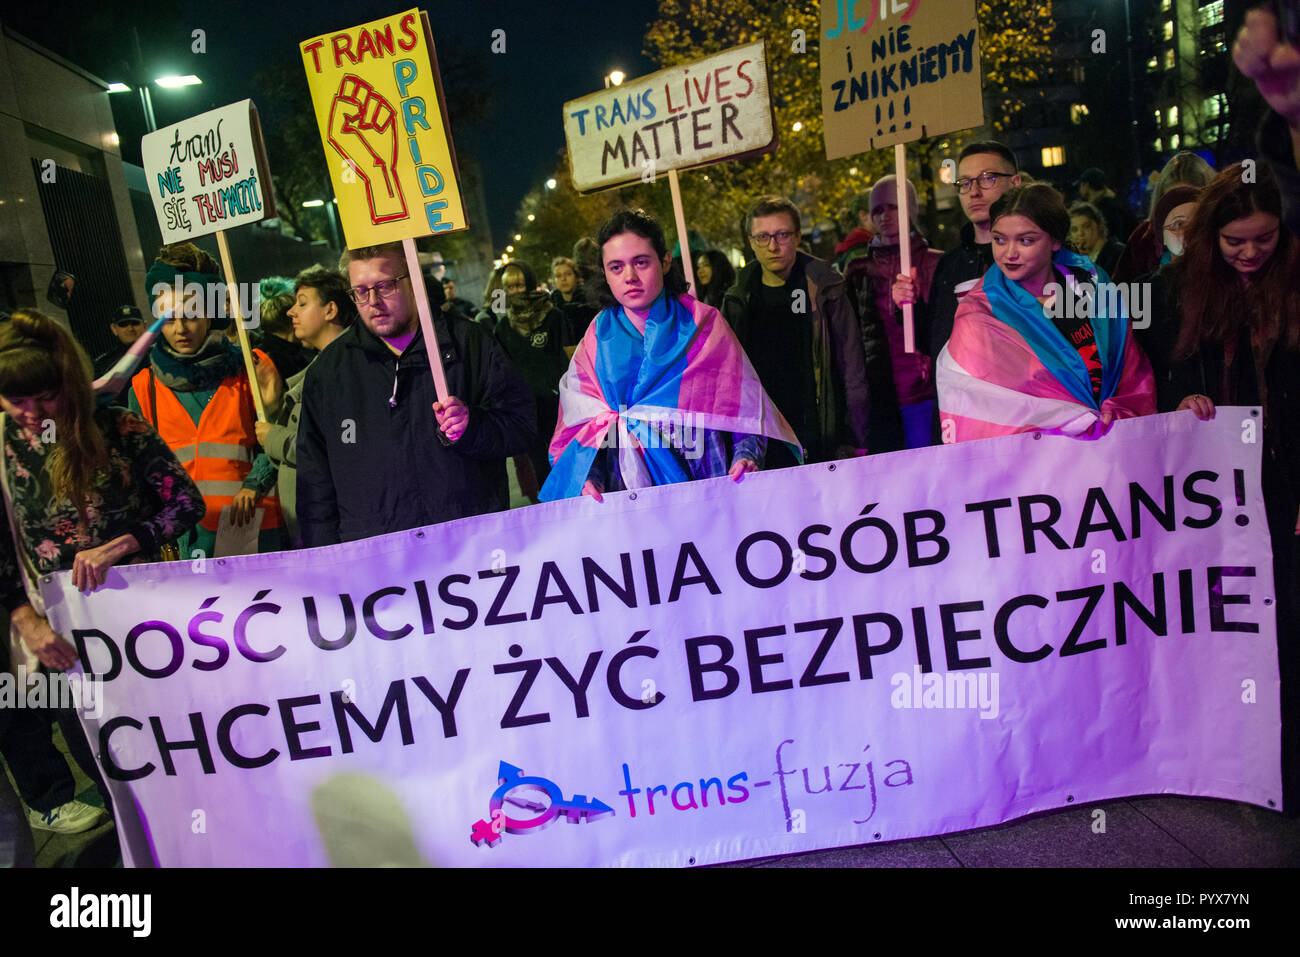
71	818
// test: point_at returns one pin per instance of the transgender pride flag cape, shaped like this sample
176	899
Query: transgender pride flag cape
1008	369
115	379
689	365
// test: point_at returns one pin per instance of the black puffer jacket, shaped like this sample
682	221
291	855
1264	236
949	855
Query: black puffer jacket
370	457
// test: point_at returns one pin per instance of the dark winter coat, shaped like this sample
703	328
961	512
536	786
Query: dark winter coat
371	459
843	402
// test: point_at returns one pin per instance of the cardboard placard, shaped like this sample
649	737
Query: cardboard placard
906	70
679	118
382	119
208	172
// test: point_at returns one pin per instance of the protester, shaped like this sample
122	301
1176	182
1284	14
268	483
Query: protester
1089	235
274	334
570	297
858	241
377	450
462	307
1017	361
1120	220
985	170
794	318
1233	320
106	490
126	325
533	332
195	391
714	275
321	312
689	404
494	303
1147	247
1261	55
901	383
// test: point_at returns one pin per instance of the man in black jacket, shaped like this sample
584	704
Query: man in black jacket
985	170
377	451
796	322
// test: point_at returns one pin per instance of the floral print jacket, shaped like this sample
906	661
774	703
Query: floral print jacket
143	491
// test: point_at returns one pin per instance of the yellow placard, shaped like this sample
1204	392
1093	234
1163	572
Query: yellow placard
379	107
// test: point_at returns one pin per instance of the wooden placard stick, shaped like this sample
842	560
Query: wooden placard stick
232	296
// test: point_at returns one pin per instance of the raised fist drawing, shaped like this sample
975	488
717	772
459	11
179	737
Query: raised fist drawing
363	130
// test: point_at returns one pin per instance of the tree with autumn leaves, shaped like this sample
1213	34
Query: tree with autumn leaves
1014	53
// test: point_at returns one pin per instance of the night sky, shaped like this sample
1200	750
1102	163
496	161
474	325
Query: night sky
553	54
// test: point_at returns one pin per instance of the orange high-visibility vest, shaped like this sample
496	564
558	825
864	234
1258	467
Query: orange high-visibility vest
217	452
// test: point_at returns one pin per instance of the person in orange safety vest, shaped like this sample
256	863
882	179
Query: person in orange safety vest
197	395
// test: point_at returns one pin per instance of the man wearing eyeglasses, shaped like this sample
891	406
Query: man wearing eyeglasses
985	170
377	451
793	316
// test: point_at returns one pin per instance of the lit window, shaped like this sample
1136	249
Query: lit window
1174	141
1157	145
1077	112
1173	116
1169	59
1053	156
1169	30
1210	15
1213	105
1165	5
1153	64
1159	118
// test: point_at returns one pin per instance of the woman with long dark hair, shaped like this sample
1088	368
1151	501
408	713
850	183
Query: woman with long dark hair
86	488
1011	364
1232	328
714	275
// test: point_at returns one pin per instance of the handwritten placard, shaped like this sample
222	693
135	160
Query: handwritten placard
679	118
379	107
208	172
893	71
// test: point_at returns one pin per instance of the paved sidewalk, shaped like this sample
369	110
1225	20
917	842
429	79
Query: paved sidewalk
1159	831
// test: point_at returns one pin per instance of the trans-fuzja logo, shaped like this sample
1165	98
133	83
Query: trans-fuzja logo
537	796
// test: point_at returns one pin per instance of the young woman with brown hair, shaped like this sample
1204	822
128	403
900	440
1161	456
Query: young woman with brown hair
1231	325
85	487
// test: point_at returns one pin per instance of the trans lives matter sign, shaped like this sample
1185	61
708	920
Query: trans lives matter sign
882	648
208	173
379	107
901	70
679	118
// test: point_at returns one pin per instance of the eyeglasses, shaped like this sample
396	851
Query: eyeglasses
384	289
782	237
987	180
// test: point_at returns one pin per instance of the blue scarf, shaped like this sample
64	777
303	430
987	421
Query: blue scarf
1023	313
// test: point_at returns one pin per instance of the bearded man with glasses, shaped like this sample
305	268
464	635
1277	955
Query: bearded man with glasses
377	451
795	320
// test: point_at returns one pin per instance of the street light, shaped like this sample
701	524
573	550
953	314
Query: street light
171	82
118	88
333	217
614	78
797	126
518	236
531	217
550	183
